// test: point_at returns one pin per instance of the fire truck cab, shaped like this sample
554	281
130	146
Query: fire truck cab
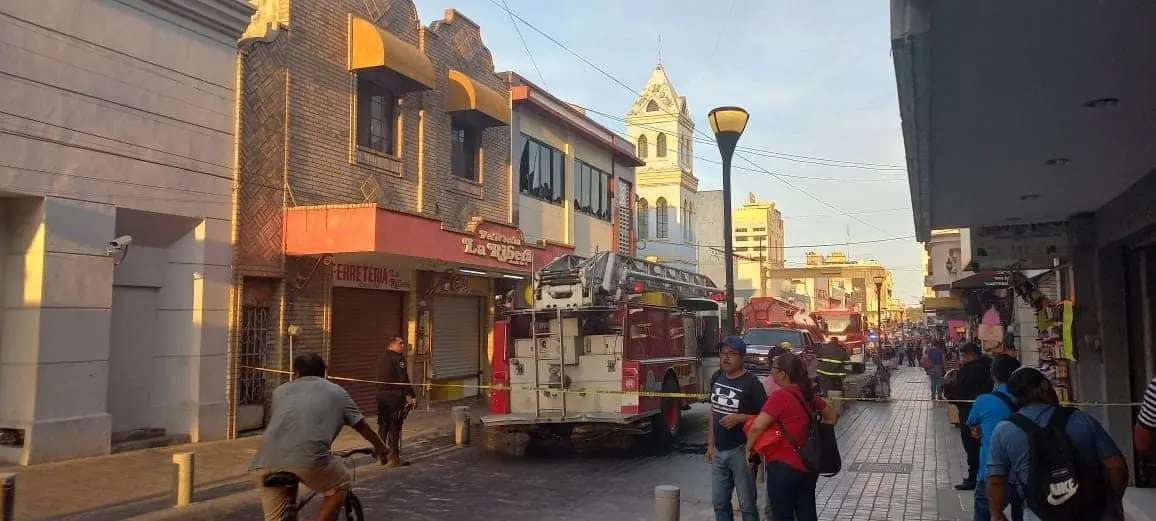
599	332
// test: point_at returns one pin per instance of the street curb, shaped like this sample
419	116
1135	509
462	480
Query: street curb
239	490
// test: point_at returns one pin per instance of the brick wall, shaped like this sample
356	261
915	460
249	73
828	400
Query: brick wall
296	144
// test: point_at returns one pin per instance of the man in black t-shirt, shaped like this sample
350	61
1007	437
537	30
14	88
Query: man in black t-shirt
735	396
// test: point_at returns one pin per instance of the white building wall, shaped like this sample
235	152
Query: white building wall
561	223
119	120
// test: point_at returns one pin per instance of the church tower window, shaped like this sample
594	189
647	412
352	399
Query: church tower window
660	145
642	146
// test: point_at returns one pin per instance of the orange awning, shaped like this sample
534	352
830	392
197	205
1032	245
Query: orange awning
487	107
372	48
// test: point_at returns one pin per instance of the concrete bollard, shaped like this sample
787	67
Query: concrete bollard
7	497
667	503
461	416
183	467
835	399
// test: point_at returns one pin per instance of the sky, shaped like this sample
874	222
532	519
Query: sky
816	77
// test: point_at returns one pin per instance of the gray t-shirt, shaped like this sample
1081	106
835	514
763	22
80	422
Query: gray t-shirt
308	413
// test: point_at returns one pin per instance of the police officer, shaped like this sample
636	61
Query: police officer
832	360
395	397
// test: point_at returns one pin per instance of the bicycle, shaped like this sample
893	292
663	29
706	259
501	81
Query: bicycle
350	511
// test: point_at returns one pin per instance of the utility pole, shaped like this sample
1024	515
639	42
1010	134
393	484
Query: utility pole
762	267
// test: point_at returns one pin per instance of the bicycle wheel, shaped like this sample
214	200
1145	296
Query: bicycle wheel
352	509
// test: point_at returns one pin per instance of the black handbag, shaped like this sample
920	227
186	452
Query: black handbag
820	450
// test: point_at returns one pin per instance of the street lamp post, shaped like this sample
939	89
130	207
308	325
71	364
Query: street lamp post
879	314
728	124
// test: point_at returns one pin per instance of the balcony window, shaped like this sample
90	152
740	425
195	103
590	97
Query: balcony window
540	171
592	191
465	145
376	117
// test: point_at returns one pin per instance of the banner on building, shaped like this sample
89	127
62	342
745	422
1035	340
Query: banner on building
859	292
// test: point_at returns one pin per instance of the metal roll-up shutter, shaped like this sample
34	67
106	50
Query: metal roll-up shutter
363	320
457	337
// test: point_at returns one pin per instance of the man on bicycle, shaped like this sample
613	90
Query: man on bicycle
308	413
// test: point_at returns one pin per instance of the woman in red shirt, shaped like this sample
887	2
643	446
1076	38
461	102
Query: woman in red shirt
790	484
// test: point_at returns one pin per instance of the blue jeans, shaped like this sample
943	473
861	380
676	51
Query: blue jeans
983	508
791	493
730	472
936	379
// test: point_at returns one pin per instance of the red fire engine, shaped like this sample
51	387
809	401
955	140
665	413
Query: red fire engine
848	326
763	312
600	330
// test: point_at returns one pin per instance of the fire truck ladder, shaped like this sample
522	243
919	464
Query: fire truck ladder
608	277
543	344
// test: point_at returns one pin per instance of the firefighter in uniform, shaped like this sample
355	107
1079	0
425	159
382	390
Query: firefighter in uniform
395	398
832	360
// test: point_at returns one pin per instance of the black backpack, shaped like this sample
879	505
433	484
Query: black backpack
819	450
1062	485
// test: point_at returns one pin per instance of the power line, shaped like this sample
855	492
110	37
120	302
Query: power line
885	169
809	178
714	161
525	46
867	212
614	79
786	247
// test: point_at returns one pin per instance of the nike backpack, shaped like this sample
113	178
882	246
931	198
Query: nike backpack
1062	484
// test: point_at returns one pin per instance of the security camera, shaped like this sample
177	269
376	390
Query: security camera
119	244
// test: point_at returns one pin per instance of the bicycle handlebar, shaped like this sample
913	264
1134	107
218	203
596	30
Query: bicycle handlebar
350	452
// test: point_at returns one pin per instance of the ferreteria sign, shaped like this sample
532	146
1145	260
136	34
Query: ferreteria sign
502	246
371	277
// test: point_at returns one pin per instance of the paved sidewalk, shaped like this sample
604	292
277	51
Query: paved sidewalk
916	454
121	486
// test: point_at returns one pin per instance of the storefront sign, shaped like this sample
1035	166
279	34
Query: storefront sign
371	277
503	246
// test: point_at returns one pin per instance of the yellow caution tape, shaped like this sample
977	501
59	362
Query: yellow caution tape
650	394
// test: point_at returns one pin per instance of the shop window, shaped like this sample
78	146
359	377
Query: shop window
643	226
661	219
376	117
592	191
465	145
540	172
660	145
642	146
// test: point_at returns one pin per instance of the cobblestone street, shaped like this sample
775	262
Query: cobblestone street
923	456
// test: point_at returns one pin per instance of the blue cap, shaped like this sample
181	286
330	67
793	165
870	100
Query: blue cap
734	342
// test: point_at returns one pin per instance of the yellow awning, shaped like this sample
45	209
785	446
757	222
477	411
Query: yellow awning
464	94
942	304
371	47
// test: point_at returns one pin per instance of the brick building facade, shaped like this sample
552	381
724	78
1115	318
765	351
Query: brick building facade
374	196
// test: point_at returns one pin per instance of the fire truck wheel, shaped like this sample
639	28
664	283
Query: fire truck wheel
664	428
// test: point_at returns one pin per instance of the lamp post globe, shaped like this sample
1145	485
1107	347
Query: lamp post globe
728	124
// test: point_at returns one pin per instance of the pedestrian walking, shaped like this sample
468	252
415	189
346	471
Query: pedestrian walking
1059	460
933	363
971	380
736	396
395	398
790	483
988	411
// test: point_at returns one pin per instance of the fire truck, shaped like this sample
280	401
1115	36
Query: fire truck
598	331
764	312
847	325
